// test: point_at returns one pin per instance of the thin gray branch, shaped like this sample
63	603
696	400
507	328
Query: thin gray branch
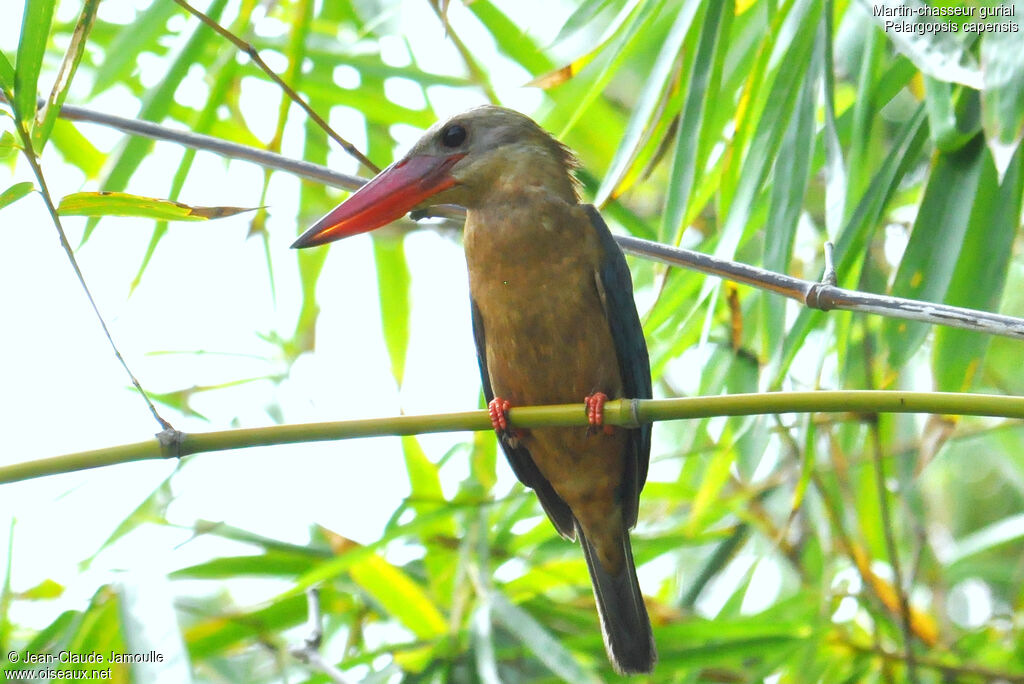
309	651
817	295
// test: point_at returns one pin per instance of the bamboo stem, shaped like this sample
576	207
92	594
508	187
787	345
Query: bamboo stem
622	412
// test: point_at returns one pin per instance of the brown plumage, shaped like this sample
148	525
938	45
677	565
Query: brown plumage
554	322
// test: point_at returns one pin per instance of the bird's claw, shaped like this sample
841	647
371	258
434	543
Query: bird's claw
594	406
498	410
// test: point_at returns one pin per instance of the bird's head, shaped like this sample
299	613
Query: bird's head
485	155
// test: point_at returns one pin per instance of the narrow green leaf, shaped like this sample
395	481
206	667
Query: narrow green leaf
538	639
684	159
980	274
15	193
35	30
581	17
770	127
223	80
100	631
156	106
46	117
270	564
483	642
6	75
212	637
837	189
424	476
141	35
124	204
656	87
935	243
393	287
852	238
618	49
995	535
792	174
954	116
716	474
152	510
76	149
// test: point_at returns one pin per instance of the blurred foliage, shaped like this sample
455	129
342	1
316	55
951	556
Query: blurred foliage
752	129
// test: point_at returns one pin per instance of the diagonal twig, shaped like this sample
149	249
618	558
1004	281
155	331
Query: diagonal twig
30	155
893	552
254	55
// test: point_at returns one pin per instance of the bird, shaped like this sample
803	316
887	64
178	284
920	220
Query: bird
554	321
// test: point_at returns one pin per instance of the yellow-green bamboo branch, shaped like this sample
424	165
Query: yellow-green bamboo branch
624	412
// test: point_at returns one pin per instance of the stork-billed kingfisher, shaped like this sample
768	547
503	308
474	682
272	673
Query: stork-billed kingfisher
554	322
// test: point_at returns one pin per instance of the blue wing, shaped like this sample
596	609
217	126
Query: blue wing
631	350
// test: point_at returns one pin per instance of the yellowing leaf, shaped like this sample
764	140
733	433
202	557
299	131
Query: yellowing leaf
124	204
400	596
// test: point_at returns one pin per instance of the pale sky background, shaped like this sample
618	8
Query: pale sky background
207	289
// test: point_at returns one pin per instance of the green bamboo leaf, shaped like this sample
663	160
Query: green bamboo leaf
152	510
935	243
15	193
836	183
684	159
792	175
393	287
481	632
155	107
581	17
269	564
426	497
618	50
424	476
47	589
46	117
35	30
1002	100
399	596
55	635
6	75
756	89
213	637
76	149
995	535
223	76
100	631
852	238
953	116
124	204
657	86
716	474
120	58
770	127
538	639
980	273
236	534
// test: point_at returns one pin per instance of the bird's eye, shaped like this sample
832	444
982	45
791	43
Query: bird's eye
453	136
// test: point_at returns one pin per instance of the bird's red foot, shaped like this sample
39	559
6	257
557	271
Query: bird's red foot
595	412
498	410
